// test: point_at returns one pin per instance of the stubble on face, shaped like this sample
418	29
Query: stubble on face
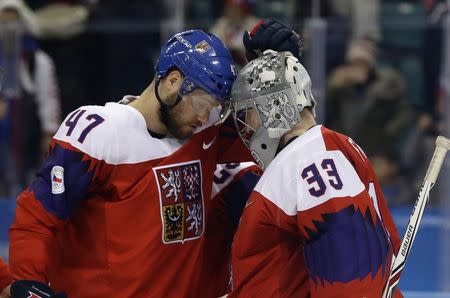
179	122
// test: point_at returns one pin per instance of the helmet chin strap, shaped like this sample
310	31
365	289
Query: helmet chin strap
163	104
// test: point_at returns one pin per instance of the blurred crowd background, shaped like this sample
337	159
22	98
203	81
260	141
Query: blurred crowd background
380	71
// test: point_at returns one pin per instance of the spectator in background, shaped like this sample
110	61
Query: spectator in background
419	147
367	102
63	36
435	52
30	100
89	40
396	186
237	18
346	20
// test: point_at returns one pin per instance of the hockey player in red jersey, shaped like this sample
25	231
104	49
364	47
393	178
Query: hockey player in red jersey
123	206
316	224
120	206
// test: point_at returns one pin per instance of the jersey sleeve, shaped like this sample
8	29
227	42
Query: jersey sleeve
61	184
233	184
5	276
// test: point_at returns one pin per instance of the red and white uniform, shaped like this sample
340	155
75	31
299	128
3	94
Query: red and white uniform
316	224
115	212
5	276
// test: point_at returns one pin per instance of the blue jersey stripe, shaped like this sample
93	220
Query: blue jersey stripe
347	245
76	181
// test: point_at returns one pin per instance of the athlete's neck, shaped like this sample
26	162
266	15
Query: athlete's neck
307	121
148	106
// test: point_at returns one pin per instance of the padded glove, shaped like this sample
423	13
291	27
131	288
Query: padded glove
269	34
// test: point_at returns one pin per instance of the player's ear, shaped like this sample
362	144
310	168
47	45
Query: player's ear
174	80
170	85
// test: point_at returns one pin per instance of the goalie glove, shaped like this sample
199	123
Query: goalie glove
33	289
269	34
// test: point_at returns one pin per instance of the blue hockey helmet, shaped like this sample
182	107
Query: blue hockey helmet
204	61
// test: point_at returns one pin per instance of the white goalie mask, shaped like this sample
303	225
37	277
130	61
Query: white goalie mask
267	97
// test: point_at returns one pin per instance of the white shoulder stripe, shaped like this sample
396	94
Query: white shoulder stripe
329	175
114	133
305	175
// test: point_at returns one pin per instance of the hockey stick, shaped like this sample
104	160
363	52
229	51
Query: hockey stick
442	145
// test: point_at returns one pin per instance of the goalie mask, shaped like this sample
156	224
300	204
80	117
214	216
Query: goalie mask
267	97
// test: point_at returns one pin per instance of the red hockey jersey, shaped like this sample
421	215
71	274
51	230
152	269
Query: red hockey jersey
114	212
316	224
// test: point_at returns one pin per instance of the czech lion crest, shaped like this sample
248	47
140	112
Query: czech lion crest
181	201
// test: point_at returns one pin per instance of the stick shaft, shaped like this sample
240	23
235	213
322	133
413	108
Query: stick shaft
442	146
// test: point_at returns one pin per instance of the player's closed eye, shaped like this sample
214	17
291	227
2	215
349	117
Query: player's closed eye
203	104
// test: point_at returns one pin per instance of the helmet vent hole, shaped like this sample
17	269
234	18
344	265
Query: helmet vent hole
295	80
250	81
295	68
264	146
219	85
277	116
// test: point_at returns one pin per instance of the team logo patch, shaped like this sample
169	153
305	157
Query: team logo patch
181	201
202	47
277	111
57	178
